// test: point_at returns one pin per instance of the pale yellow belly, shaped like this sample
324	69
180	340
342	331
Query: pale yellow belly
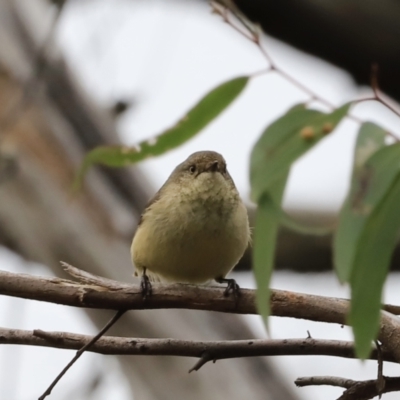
195	255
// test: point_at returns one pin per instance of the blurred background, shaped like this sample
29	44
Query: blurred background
77	74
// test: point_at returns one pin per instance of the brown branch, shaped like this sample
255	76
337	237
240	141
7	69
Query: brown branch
129	297
377	92
205	357
374	79
355	390
102	293
378	97
91	279
210	350
364	390
324	380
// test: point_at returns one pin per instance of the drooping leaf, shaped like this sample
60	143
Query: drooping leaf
265	236
285	140
206	110
305	227
368	226
370	139
280	145
373	172
371	266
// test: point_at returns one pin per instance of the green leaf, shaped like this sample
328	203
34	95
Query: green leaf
373	173
306	228
285	140
370	139
368	226
265	236
207	109
371	266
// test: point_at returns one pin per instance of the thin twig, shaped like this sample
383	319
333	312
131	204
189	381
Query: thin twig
91	279
217	9
365	390
378	98
215	350
249	33
361	121
355	390
324	380
87	346
254	37
374	79
377	91
204	359
380	381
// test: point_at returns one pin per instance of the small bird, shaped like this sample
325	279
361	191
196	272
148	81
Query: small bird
195	229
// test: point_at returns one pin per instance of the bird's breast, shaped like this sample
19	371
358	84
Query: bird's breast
192	239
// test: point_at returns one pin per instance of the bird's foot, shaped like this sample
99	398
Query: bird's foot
145	285
232	286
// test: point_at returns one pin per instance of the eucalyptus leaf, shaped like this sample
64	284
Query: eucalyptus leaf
375	168
206	110
368	227
287	139
305	228
371	266
265	236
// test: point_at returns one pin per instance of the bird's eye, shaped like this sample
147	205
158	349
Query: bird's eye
192	169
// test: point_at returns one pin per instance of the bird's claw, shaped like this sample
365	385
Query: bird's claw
232	286
145	285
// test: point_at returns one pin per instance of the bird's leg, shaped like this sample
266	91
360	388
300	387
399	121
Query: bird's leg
145	284
231	287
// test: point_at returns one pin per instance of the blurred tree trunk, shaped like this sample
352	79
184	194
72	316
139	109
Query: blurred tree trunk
38	219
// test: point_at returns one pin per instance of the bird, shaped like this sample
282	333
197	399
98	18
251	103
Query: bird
195	229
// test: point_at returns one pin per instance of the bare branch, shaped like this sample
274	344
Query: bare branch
379	97
365	390
204	359
91	279
356	390
211	298
214	350
324	380
377	92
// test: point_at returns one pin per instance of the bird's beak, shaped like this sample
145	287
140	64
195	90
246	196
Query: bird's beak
213	167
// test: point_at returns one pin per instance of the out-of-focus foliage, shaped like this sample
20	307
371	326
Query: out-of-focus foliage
285	140
206	110
281	144
367	231
371	138
265	236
